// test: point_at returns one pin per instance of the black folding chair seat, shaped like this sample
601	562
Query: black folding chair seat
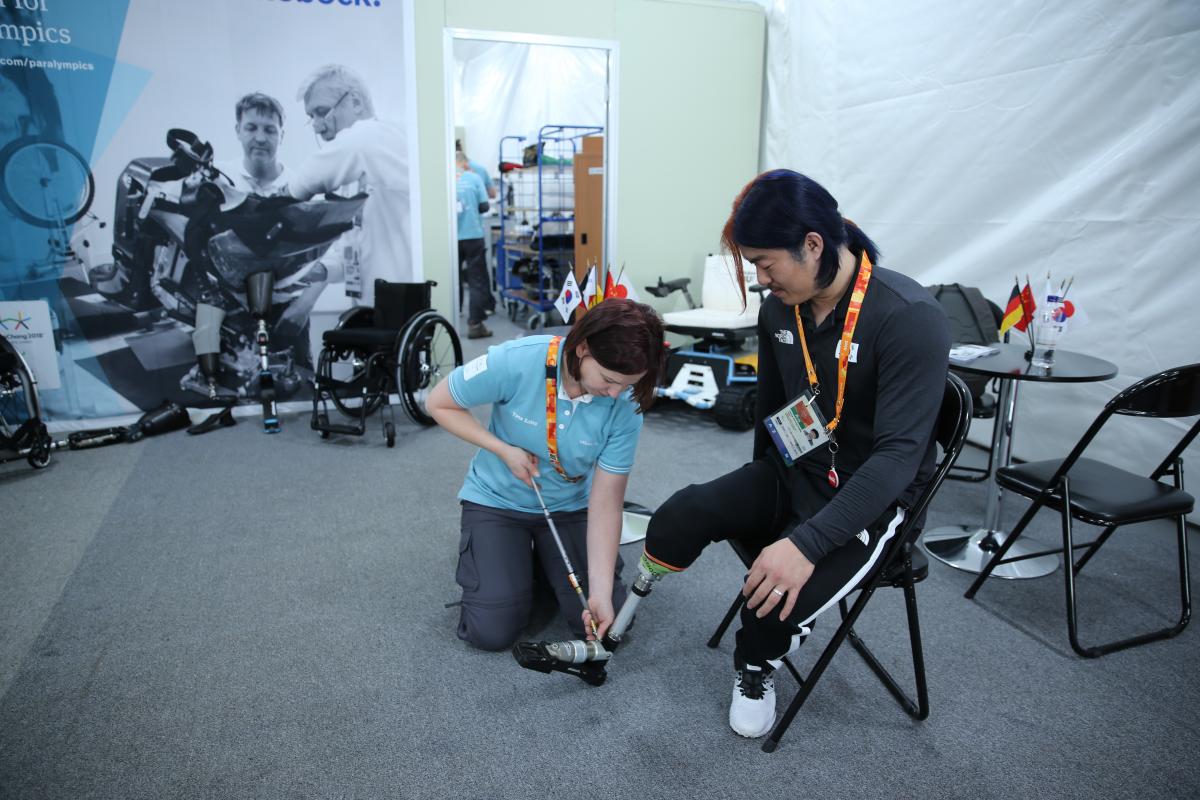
1101	494
901	566
361	338
1105	495
894	571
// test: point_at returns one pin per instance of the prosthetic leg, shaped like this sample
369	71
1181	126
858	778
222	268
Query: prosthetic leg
206	338
259	286
587	659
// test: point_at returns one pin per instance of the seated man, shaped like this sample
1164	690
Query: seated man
817	506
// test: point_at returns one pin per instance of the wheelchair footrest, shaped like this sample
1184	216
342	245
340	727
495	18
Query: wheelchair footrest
333	427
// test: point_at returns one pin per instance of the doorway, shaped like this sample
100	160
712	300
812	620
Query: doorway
537	114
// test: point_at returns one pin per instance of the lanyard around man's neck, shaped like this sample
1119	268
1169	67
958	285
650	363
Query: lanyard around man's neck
856	301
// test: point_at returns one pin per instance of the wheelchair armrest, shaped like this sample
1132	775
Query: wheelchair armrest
665	288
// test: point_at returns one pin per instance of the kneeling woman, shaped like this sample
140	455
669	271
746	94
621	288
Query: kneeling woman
567	414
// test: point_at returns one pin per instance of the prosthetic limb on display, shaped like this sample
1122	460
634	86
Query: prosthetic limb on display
587	660
206	338
259	286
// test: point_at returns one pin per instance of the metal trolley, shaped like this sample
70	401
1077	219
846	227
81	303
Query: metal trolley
537	219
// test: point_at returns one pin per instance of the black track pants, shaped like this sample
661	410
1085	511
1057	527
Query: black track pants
751	507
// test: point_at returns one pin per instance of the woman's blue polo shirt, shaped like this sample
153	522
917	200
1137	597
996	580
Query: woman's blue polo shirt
597	432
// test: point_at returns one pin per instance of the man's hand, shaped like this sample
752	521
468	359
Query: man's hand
521	464
779	572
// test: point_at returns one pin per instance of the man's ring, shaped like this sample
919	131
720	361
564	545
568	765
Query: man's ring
776	591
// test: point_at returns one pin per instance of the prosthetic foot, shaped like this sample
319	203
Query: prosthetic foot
588	660
259	286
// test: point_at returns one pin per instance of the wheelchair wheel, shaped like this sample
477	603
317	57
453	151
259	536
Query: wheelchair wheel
429	351
21	425
45	182
347	394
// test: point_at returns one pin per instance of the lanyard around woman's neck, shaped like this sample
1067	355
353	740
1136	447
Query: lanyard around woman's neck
552	410
856	301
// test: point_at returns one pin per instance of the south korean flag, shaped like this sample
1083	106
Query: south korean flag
569	298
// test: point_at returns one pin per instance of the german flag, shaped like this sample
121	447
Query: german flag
1013	312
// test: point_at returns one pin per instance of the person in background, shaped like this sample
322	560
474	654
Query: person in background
472	203
565	413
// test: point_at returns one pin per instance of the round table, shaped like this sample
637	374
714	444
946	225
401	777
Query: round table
968	547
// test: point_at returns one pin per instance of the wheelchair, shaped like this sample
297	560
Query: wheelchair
401	346
23	432
719	370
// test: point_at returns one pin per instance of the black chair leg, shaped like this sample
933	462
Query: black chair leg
919	708
725	623
818	669
1185	599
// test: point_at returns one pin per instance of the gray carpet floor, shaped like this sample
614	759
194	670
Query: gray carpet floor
246	616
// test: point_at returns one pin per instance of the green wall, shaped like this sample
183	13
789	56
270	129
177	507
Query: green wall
689	97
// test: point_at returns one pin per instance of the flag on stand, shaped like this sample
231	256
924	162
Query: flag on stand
1027	307
1013	314
610	289
589	289
625	288
569	298
597	289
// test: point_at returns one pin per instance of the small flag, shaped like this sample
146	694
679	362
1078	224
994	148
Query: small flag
1028	306
625	288
1012	312
589	287
569	298
610	289
597	293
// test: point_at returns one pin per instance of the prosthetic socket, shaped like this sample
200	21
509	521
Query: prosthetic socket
586	660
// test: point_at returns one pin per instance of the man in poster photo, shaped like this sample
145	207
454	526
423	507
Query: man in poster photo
259	127
359	153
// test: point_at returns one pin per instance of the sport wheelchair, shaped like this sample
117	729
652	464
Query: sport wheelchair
23	433
400	346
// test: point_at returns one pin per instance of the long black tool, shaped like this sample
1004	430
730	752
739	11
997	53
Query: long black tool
562	551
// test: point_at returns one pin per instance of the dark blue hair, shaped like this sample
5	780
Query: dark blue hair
779	208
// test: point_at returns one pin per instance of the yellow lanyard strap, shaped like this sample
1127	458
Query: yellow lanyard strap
856	301
552	410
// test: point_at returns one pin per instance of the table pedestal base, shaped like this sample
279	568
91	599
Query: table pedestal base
969	549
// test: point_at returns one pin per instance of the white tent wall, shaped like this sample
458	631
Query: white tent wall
513	89
977	142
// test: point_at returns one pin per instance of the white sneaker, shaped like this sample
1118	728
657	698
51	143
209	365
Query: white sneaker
752	712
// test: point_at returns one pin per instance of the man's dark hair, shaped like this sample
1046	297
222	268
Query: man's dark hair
625	337
779	208
262	103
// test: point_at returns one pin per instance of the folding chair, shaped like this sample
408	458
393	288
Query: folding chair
1107	496
902	566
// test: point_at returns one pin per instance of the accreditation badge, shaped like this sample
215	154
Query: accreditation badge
797	428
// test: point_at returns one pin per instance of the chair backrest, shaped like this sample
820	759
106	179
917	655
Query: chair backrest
397	303
720	291
1173	392
953	424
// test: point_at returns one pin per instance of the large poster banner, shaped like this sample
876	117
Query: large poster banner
178	178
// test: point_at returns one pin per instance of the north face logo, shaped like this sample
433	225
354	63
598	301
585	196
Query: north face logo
785	336
863	537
